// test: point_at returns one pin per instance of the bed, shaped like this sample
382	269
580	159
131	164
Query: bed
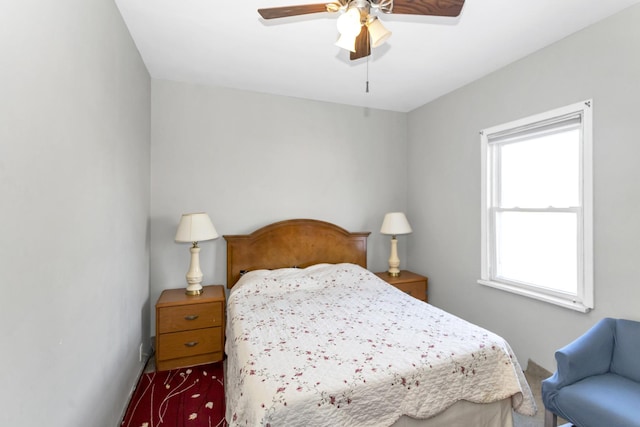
315	339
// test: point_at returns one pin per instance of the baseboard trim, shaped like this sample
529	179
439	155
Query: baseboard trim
141	370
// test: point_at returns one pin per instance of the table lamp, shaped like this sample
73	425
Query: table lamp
194	228
395	223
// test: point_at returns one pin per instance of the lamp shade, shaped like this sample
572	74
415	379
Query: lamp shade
195	227
395	223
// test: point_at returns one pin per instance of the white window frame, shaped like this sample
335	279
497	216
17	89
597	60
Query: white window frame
583	300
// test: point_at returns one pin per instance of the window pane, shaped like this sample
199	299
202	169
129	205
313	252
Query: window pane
541	172
538	248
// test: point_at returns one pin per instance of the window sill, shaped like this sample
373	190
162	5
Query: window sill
562	302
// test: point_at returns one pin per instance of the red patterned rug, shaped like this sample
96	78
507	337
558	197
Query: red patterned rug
187	397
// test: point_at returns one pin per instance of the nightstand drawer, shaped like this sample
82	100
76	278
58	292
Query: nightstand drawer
415	289
189	343
187	317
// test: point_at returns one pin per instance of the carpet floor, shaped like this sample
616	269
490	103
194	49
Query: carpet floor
192	397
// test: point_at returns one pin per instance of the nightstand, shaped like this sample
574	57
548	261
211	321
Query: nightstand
189	328
411	283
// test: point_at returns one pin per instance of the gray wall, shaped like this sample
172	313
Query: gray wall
600	62
250	159
74	185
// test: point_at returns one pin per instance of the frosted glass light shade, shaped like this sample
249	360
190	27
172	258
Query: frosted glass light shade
377	32
395	223
349	22
195	227
347	41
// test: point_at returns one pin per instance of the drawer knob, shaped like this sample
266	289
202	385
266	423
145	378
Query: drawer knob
191	317
191	344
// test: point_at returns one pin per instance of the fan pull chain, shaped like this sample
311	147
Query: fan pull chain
367	86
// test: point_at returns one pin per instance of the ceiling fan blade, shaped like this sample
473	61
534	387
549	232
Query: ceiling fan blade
363	46
428	7
284	11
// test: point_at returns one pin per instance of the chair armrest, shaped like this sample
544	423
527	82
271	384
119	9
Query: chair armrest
588	355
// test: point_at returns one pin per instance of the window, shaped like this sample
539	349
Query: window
537	220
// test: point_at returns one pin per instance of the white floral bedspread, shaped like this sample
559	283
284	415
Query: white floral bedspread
333	345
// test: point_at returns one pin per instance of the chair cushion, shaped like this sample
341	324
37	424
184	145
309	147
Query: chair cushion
603	400
626	348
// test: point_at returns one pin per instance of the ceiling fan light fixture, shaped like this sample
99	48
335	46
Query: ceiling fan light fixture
359	29
347	41
378	33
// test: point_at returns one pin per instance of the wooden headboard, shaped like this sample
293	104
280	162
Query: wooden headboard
293	243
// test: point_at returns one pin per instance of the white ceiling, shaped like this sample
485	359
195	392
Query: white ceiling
227	44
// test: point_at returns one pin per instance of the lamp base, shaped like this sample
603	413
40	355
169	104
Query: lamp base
194	275
394	261
194	289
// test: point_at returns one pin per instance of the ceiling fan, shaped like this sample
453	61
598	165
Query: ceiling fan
359	28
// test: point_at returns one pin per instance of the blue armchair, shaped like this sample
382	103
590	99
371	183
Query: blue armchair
597	382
